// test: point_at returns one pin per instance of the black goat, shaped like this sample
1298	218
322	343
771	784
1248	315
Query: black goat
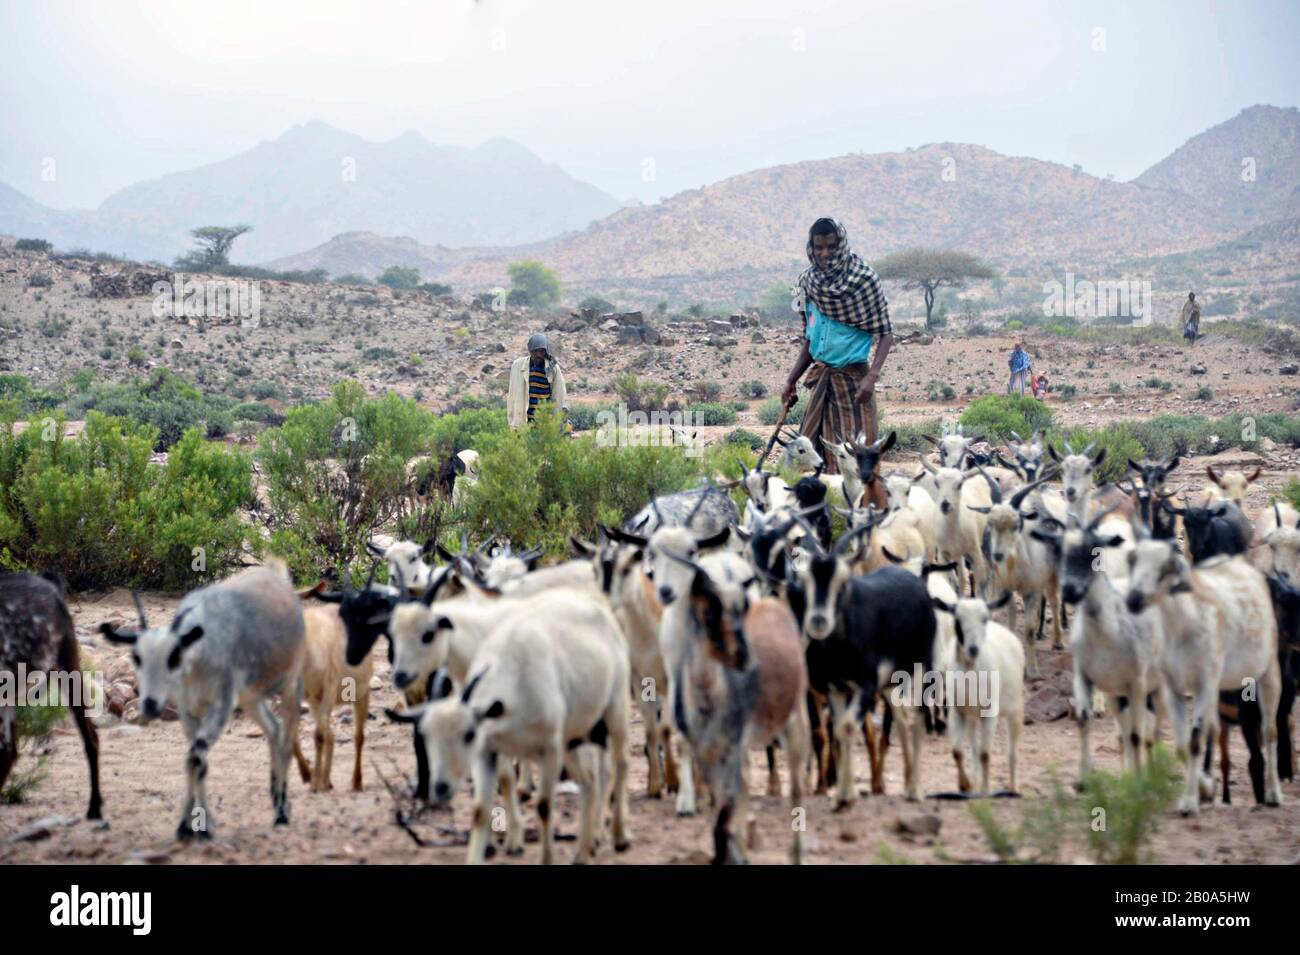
856	626
37	633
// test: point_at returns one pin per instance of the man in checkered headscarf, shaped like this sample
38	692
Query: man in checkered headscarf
845	315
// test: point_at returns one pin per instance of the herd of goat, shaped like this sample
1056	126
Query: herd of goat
733	631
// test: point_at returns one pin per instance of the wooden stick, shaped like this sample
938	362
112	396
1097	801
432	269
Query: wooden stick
776	431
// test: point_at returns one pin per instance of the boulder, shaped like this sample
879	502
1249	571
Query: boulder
722	341
1197	369
719	328
1290	368
630	318
609	325
1046	705
629	335
650	335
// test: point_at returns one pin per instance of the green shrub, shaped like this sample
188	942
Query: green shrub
753	389
163	400
335	472
909	435
1203	393
40	281
769	412
1292	492
1067	391
744	437
583	416
33	726
254	411
998	415
33	245
396	277
378	353
711	413
1117	439
640	394
95	509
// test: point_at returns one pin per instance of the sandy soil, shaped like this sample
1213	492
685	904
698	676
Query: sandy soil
142	784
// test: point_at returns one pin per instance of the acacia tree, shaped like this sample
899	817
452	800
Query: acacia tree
927	270
532	283
214	242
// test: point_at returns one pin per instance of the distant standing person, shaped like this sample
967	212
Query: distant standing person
1191	318
1019	364
844	313
534	378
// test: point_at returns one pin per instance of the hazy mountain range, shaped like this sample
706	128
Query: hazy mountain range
462	215
314	182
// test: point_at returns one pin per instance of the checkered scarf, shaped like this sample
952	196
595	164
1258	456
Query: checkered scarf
849	291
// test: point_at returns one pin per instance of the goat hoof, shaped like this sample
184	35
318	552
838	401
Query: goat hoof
184	833
515	851
843	806
622	845
282	817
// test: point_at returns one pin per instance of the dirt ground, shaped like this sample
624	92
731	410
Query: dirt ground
142	785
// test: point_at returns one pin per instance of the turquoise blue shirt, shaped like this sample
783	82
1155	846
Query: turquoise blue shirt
834	343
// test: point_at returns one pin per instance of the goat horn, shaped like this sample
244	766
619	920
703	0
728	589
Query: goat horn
1019	497
1019	440
1068	448
371	579
139	605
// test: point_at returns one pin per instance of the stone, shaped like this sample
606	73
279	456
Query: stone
722	341
923	824
650	335
758	338
1198	369
1046	705
629	335
609	325
630	318
1290	368
719	328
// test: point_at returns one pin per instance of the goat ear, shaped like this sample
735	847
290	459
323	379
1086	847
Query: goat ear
1253	477
975	440
191	636
411	715
714	540
1209	470
493	712
941	604
889	442
931	438
1112	541
458	464
377	551
580	548
1001	601
118	636
978	510
1134	466
1051	451
445	554
429	546
1101	456
1046	537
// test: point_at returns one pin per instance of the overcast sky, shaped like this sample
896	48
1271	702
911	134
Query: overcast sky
642	99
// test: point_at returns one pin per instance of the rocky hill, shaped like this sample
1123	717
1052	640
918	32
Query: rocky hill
315	182
1244	172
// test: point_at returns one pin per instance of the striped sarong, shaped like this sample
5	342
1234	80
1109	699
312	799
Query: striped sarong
833	411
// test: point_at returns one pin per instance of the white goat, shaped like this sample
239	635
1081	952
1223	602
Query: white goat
1277	542
550	676
987	678
233	643
1220	634
1115	650
959	530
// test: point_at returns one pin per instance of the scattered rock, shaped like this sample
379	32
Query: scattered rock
924	824
1290	368
1047	705
629	335
42	829
1198	369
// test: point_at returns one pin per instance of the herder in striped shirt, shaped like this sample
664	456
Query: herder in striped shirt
534	378
845	315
